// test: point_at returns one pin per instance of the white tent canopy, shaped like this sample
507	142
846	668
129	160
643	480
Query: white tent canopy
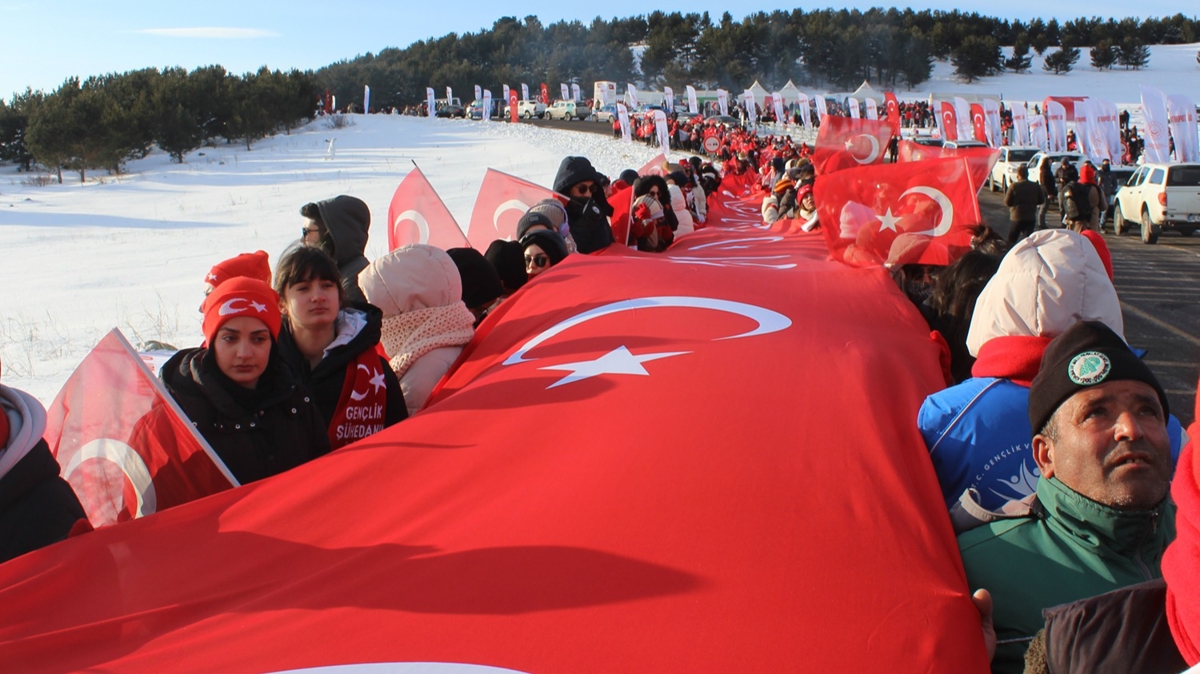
760	94
865	91
790	93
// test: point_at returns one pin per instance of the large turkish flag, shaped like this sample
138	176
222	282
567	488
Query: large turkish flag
844	143
699	461
417	214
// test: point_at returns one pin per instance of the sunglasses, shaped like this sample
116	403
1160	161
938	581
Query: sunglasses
655	193
583	189
538	261
305	231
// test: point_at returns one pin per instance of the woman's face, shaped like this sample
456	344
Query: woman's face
311	304
536	260
808	203
243	349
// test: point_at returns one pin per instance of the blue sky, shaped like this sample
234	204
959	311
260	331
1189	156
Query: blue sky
46	41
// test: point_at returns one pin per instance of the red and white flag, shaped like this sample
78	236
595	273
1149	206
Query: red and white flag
844	143
501	202
907	150
979	122
575	499
980	159
892	106
948	121
123	443
418	215
864	210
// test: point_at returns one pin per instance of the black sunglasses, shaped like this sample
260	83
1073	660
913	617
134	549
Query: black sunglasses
537	261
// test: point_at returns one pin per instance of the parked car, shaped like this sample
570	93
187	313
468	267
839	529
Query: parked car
475	110
927	141
964	143
606	114
1055	161
1004	173
567	110
531	109
1159	197
450	111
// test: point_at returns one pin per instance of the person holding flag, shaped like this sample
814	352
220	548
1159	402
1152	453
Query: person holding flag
239	393
332	345
37	507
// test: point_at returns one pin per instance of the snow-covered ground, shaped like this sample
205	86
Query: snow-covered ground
132	251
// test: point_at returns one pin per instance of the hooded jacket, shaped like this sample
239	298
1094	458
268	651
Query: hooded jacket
357	332
977	432
587	217
1068	548
37	507
282	431
348	222
425	323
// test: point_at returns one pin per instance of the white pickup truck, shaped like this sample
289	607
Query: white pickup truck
1004	172
1159	197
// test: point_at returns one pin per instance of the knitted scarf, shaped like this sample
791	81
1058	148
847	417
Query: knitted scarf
413	334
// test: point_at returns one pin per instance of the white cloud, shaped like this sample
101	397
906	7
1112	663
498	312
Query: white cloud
210	33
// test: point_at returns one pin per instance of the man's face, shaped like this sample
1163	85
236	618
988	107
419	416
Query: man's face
1109	443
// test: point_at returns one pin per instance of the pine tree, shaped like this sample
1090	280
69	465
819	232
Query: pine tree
976	57
1020	60
1133	53
1103	55
1061	61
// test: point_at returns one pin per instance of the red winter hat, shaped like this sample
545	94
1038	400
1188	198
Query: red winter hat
250	265
239	297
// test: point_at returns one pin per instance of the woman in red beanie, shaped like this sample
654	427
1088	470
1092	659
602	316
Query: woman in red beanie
239	393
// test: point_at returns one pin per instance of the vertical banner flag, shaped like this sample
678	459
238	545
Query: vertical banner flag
668	99
524	92
872	110
780	117
504	93
417	214
512	106
822	109
693	104
487	105
962	113
1089	135
947	120
501	202
545	94
664	136
1182	116
978	123
871	207
1056	125
852	107
478	92
1020	125
366	99
1038	135
1110	123
575	92
623	119
723	101
892	106
122	442
751	107
564	91
631	96
802	105
991	117
449	95
1154	110
430	102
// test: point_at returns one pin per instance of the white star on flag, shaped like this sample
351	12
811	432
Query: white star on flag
258	307
617	361
377	381
888	220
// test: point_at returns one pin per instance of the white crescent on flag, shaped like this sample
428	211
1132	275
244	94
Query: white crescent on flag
418	220
128	460
873	155
947	216
510	205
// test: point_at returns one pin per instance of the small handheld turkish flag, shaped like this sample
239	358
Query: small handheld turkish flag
863	210
123	444
418	215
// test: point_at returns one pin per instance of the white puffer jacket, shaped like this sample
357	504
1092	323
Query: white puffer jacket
1047	282
682	214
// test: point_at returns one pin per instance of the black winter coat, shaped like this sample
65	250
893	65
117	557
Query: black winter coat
588	221
347	222
281	432
326	380
37	507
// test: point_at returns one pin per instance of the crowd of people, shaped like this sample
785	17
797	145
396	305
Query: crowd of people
1053	444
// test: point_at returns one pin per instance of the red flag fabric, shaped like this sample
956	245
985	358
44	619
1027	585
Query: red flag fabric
844	143
907	150
578	498
418	215
866	209
657	166
893	111
123	444
978	122
621	201
545	94
949	121
979	159
512	106
501	202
